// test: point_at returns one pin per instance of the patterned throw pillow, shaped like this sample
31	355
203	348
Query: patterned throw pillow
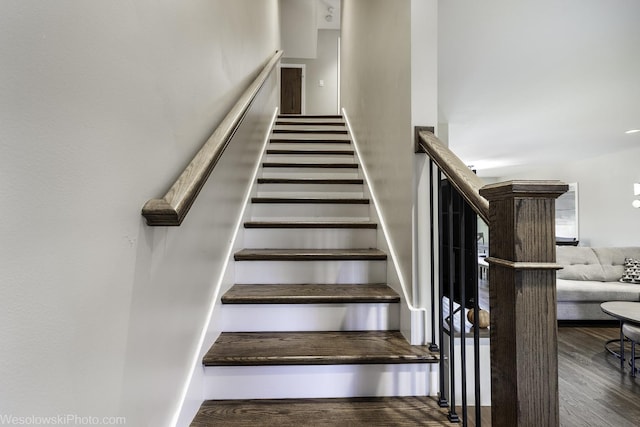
631	271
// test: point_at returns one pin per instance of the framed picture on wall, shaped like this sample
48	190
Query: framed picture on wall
567	226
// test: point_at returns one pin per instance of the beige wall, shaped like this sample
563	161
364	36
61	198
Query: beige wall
376	96
101	106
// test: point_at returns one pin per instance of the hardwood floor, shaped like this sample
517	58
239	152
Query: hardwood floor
593	389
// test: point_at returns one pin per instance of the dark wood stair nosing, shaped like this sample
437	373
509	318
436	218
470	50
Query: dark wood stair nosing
311	224
287	122
310	294
315	348
310	200
312	131
310	255
397	411
310	116
310	165
309	141
338	181
314	152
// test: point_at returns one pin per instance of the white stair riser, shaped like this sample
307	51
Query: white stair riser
309	146
262	211
350	190
321	173
292	272
281	382
310	317
485	369
309	158
309	238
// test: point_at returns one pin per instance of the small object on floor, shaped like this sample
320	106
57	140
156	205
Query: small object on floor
483	318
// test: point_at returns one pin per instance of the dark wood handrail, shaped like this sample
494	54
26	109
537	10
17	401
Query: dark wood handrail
173	207
460	176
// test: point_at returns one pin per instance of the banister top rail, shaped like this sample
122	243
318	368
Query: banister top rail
460	176
173	207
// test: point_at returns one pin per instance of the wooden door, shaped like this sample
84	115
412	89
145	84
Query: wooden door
290	90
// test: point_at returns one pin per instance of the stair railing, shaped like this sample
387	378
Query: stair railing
174	206
522	292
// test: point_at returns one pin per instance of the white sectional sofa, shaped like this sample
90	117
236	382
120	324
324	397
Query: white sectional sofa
591	276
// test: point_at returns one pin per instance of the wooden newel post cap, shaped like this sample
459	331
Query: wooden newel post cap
524	188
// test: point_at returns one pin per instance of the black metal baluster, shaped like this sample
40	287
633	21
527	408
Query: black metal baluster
463	298
476	337
453	417
442	399
433	346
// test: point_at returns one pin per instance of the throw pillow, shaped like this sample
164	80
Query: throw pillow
631	271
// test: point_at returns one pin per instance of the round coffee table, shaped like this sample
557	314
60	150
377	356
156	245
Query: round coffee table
624	311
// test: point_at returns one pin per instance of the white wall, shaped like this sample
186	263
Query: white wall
299	28
321	99
605	193
101	106
376	96
424	112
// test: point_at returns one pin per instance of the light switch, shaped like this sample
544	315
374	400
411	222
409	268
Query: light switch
321	83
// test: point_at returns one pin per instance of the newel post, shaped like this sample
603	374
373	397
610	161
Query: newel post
522	292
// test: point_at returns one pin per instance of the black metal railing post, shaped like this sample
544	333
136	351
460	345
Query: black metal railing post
442	399
453	416
462	251
433	346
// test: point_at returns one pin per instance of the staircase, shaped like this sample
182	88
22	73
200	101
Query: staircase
310	329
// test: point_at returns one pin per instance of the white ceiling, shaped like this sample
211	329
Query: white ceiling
522	82
328	14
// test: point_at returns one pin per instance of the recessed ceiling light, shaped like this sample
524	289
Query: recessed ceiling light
633	131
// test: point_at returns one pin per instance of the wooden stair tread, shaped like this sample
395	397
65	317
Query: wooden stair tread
310	224
309	141
311	200
310	165
315	348
338	181
407	411
309	116
309	255
310	128
310	294
288	121
304	152
309	137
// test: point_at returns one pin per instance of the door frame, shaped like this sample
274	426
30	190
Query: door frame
302	82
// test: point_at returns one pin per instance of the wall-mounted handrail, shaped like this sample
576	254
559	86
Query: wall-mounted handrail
173	207
461	177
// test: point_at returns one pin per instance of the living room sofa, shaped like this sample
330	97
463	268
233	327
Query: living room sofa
591	276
